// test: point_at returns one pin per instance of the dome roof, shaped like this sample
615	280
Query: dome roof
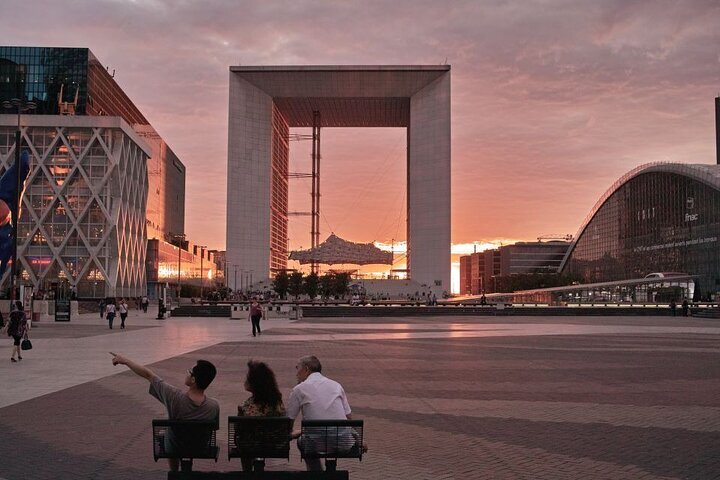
708	174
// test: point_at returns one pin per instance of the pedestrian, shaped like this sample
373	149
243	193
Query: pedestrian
145	302
110	312
17	328
101	306
123	309
673	306
317	397
685	307
191	404
256	313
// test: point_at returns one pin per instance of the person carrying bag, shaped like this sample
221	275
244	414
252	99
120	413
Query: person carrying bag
17	328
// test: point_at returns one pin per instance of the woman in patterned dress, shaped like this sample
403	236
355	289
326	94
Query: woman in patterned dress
266	399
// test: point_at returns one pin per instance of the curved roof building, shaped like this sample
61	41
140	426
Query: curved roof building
659	217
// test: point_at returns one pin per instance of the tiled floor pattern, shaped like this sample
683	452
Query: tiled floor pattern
477	398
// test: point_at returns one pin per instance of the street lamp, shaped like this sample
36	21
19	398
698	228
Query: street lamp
202	282
179	238
235	282
20	106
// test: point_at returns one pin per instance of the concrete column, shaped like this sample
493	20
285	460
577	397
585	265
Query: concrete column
248	187
428	186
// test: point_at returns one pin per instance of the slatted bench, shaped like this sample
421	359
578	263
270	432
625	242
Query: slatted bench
330	440
259	438
185	440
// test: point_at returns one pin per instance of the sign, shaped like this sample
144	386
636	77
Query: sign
62	310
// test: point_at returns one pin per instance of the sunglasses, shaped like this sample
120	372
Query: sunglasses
190	372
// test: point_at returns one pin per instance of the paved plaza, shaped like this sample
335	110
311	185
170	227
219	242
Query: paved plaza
462	397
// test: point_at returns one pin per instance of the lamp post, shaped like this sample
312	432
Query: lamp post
179	238
202	280
235	282
21	106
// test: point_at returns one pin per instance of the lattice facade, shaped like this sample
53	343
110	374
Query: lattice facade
83	217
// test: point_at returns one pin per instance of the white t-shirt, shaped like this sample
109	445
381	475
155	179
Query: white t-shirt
318	398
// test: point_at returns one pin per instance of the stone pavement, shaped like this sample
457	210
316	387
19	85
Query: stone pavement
528	398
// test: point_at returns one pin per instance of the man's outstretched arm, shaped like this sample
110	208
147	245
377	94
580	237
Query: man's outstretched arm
140	370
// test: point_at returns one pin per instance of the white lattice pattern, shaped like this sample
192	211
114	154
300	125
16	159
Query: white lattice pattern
83	217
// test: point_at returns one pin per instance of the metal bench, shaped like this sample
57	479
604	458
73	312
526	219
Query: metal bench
185	440
258	438
331	439
265	437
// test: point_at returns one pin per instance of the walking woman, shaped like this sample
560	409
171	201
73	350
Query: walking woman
110	312
17	328
265	399
123	309
256	313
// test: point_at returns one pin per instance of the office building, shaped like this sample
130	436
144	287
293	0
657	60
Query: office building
83	125
484	269
266	102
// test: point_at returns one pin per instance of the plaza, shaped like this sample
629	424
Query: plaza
482	397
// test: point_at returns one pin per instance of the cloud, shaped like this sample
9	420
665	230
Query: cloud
552	100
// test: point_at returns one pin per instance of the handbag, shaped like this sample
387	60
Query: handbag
26	344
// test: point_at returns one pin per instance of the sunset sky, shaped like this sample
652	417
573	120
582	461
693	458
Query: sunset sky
552	101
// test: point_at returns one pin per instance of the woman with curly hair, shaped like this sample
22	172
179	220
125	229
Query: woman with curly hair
265	401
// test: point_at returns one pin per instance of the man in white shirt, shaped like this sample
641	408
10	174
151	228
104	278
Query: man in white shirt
317	398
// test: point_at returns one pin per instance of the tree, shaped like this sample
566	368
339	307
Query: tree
295	284
326	285
311	285
281	283
341	284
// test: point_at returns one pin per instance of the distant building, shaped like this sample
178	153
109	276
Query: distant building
465	275
195	264
68	156
221	266
482	269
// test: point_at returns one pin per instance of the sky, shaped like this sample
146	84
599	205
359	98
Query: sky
552	100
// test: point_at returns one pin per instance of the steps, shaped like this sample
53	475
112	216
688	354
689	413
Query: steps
202	311
447	311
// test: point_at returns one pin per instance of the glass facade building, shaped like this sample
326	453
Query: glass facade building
656	218
71	82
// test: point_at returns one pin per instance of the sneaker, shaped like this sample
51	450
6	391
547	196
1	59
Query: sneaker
19	357
12	359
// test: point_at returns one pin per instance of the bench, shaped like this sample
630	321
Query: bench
258	438
331	439
185	440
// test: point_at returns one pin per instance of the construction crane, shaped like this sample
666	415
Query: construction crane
557	237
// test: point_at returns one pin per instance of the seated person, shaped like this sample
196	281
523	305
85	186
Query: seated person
191	404
266	399
317	397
